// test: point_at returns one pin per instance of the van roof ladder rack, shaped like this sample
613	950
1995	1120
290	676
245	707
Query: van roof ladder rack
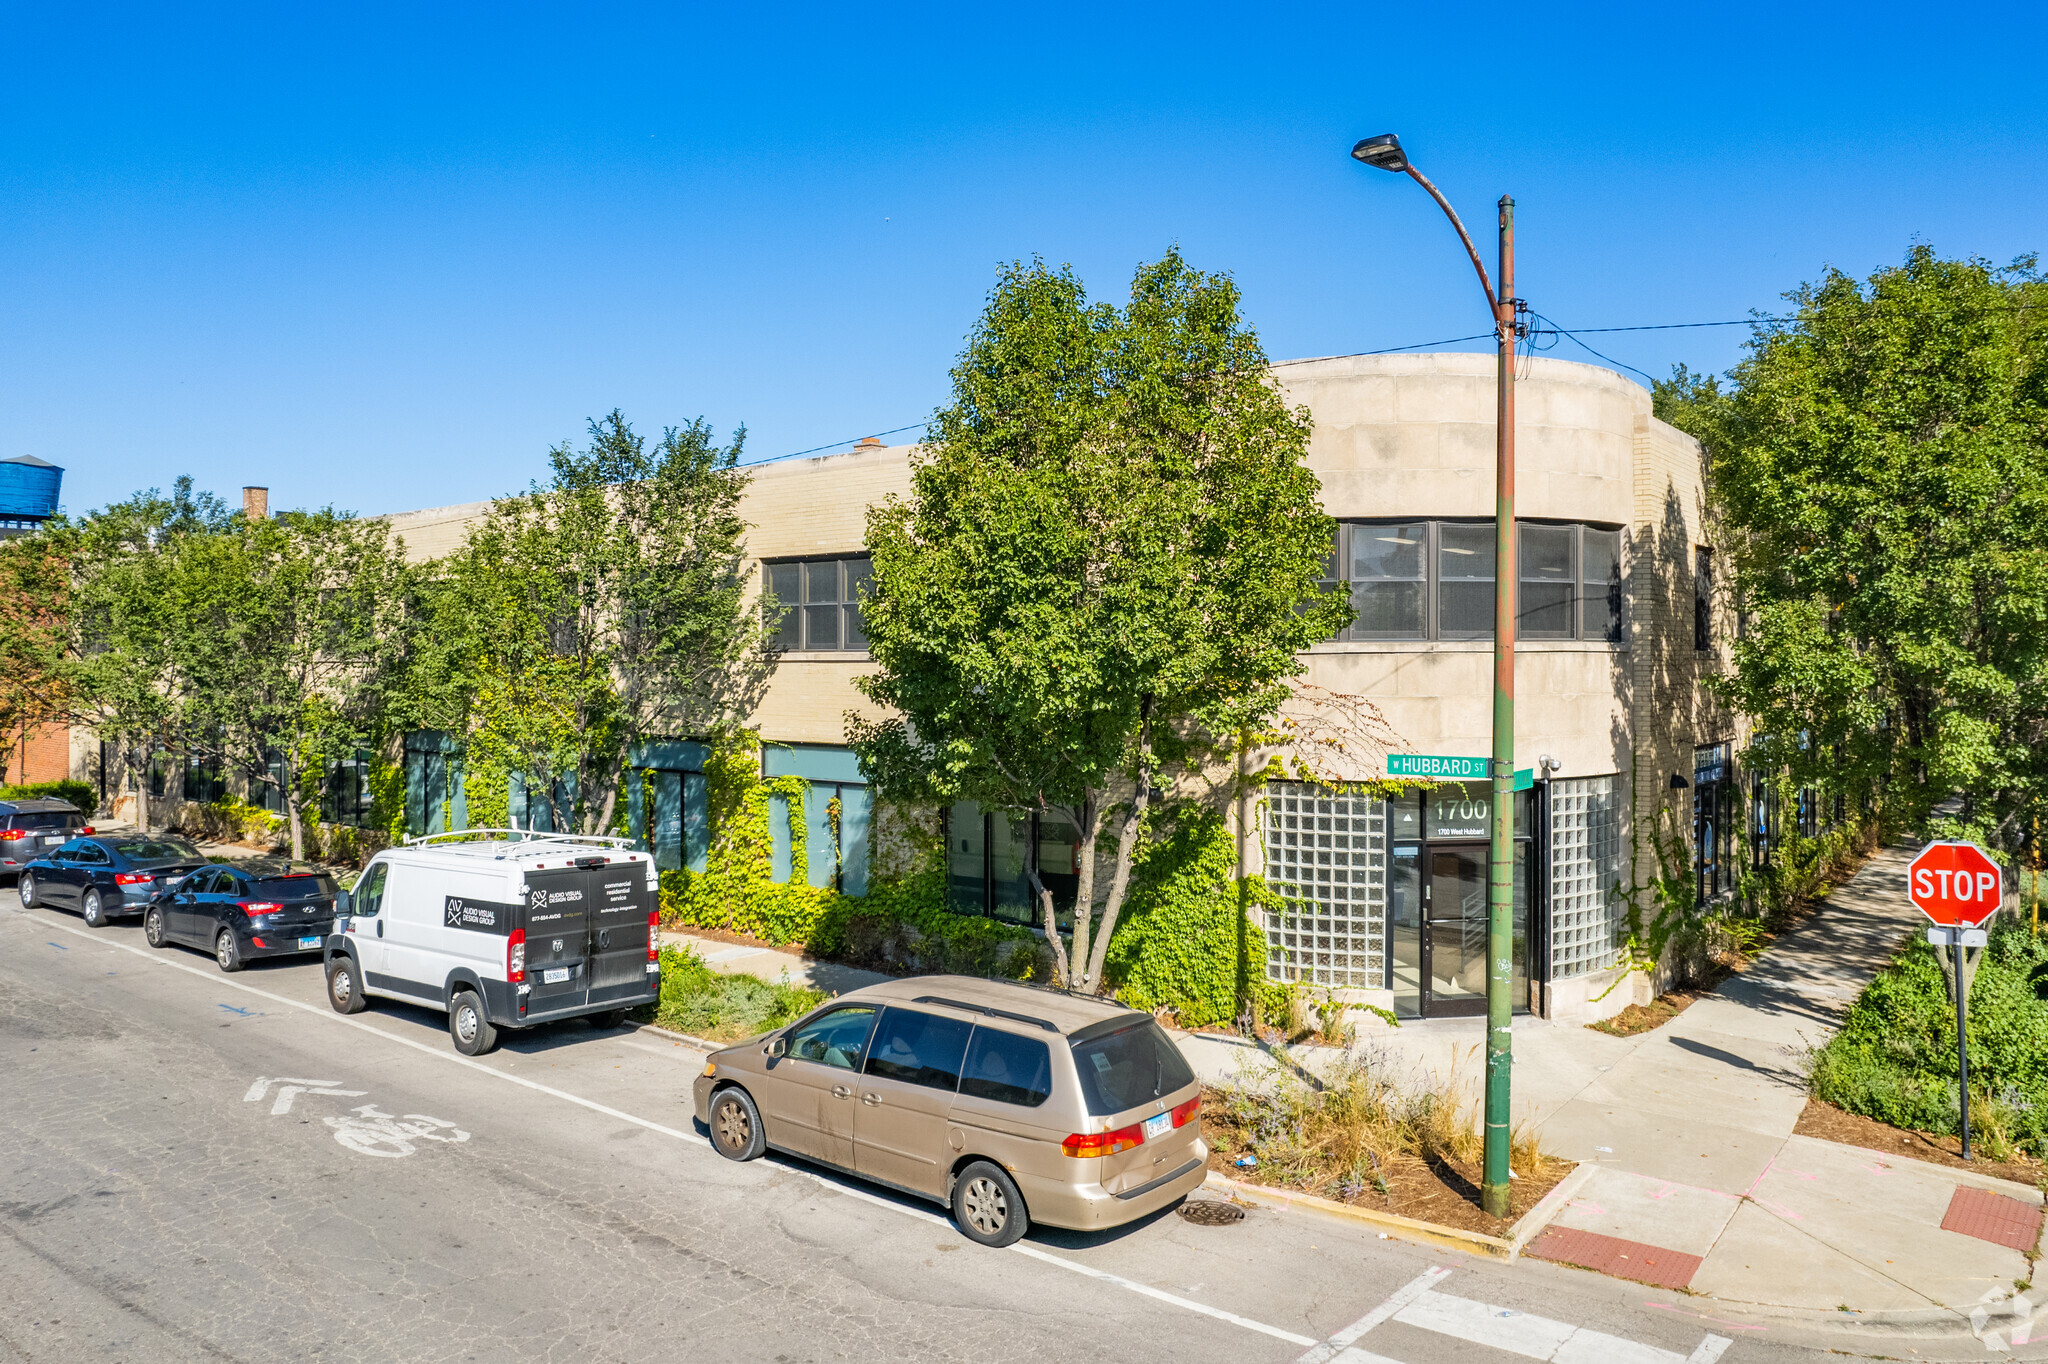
985	1009
533	837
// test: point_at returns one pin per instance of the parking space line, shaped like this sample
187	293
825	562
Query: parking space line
439	1054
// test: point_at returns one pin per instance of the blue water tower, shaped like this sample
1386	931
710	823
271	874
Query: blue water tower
28	493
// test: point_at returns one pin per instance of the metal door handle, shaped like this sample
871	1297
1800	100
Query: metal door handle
841	1092
380	928
870	1099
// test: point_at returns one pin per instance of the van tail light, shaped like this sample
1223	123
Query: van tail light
515	956
1183	1114
653	934
132	878
1104	1143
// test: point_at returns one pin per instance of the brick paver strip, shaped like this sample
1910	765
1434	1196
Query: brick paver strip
1995	1218
1612	1255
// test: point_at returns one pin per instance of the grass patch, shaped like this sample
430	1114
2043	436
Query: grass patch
1894	1059
723	1008
1351	1135
1641	1018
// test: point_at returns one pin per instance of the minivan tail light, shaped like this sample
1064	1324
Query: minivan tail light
1183	1114
132	878
1104	1143
653	934
515	956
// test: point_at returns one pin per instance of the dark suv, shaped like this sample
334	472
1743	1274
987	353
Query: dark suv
30	828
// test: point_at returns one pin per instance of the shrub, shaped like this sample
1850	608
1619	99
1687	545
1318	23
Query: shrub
1895	1057
723	1008
79	793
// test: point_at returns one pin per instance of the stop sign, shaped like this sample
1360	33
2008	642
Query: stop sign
1955	883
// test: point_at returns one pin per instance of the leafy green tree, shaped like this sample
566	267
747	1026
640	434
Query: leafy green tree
1108	555
119	671
1880	469
287	631
605	608
35	582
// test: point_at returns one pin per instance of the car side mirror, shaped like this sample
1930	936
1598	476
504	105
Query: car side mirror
344	905
777	1048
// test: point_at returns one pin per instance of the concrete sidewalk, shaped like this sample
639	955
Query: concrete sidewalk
773	964
1689	1131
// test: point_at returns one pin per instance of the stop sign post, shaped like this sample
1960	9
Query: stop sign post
1958	887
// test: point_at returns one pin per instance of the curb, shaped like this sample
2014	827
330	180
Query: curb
682	1037
1505	1248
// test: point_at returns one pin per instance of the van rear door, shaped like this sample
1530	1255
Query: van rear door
621	906
557	921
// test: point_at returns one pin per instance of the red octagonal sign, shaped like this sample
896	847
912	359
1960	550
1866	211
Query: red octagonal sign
1955	883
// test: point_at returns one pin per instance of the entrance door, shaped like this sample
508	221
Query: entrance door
1454	931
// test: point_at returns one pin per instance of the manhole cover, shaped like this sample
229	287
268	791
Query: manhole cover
1208	1214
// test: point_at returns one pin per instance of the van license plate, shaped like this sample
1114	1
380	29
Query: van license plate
1158	1126
554	976
307	943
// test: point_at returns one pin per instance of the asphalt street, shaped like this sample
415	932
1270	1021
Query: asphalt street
211	1167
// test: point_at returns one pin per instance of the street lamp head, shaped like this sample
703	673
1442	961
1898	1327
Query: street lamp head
1383	151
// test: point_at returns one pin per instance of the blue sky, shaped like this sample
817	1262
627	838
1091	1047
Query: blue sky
384	258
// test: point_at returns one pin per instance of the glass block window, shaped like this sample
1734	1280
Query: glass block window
1327	855
1585	869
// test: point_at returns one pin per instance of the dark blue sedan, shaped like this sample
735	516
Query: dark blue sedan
264	907
108	874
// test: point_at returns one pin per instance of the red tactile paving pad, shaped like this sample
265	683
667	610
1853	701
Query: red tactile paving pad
1993	1217
1612	1255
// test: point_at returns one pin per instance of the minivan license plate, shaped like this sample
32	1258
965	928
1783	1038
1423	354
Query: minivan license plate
554	976
1158	1126
309	942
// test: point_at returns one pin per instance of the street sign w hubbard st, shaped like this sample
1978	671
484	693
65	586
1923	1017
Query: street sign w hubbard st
1956	884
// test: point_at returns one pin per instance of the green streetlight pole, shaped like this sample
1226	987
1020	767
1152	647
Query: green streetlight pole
1384	152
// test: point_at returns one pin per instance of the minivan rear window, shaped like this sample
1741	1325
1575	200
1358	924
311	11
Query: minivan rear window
293	888
1007	1068
1131	1066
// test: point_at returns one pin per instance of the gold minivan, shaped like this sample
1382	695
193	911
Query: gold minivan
1011	1104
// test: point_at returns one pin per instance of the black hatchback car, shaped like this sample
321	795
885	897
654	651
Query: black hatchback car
108	874
30	828
265	907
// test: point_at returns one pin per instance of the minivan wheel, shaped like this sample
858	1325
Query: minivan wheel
95	910
226	951
153	926
468	1026
987	1206
343	992
736	1131
25	887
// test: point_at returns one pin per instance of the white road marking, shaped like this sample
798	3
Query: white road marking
371	1133
150	955
1336	1346
1523	1333
289	1089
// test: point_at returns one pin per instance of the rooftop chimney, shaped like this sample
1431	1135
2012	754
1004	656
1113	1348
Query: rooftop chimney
256	504
870	443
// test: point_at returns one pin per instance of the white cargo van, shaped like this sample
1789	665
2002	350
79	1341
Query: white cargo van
501	928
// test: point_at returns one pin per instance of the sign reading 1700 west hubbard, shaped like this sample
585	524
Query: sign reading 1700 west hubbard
1441	768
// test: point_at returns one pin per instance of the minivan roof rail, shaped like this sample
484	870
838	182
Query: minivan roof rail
985	1009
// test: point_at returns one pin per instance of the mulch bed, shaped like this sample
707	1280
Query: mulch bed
1444	1192
1641	1018
1830	1123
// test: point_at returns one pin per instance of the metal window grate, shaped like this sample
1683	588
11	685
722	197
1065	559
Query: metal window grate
1585	870
1327	855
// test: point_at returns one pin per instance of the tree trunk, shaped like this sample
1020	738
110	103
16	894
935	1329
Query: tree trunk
1061	974
1126	849
291	814
1084	890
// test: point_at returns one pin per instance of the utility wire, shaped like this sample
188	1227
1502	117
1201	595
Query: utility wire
1529	348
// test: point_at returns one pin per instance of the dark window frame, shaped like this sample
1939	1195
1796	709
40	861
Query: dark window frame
1702	598
1590	623
791	630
